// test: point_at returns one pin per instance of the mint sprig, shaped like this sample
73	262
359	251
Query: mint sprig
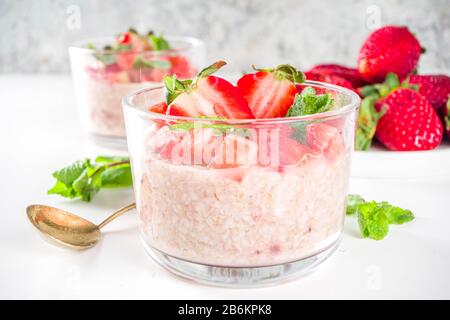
158	43
85	178
174	87
140	62
308	102
374	217
189	125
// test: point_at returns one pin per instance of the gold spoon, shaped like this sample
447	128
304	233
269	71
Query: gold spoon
67	228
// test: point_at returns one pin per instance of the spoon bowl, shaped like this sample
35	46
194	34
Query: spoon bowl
67	228
64	227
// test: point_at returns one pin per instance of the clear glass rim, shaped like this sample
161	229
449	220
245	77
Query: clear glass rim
347	108
189	44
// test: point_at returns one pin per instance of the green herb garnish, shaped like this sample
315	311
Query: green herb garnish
84	178
158	43
374	217
308	102
188	125
141	62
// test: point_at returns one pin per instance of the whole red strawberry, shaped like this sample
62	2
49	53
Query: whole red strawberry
388	49
409	123
349	74
329	78
444	112
436	88
270	92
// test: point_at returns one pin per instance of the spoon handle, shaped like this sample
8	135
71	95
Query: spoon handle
117	214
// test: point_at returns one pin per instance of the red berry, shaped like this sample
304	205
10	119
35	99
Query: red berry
125	60
436	88
234	151
444	113
350	74
409	123
124	38
324	139
329	78
388	49
158	108
181	67
293	153
269	93
211	97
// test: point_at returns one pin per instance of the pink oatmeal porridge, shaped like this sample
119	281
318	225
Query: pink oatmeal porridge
105	72
242	216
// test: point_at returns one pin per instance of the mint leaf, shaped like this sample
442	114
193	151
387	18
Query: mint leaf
188	125
175	87
374	218
140	62
308	102
105	58
109	159
84	178
395	214
353	201
117	176
158	43
69	174
63	190
373	221
368	119
87	185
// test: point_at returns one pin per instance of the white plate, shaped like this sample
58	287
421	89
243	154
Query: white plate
378	162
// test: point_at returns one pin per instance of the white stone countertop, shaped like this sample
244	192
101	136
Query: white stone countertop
40	132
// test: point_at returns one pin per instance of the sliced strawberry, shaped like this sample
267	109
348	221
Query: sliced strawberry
233	157
235	151
270	92
124	38
212	97
181	67
133	40
111	73
324	139
200	146
276	147
158	108
207	96
125	60
293	153
164	140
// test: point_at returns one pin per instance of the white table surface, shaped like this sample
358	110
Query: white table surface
40	132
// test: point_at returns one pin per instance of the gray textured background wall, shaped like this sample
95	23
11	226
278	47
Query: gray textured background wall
35	34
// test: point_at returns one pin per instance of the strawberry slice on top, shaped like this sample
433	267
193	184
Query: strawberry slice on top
324	138
270	92
205	96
